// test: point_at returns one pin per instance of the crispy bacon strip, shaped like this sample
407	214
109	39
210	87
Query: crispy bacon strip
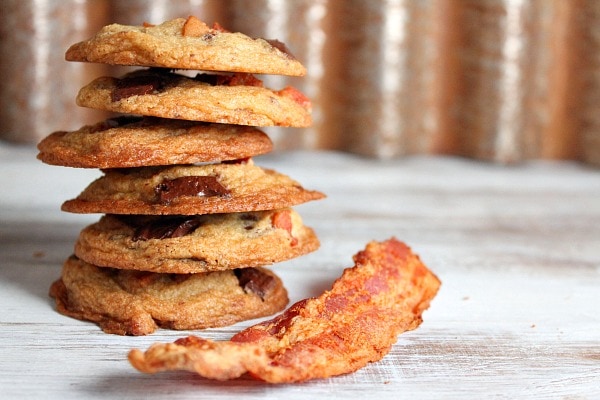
354	323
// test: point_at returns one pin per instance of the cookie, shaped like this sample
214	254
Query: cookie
186	44
237	99
134	142
127	302
197	243
190	190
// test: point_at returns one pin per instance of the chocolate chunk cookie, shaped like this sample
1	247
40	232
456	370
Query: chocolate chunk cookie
196	243
130	141
186	44
224	98
127	302
190	190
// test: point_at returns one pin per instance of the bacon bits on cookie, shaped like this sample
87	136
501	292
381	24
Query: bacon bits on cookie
232	99
195	243
190	190
186	44
127	302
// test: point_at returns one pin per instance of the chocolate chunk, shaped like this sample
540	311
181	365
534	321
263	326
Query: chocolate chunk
202	186
122	120
208	36
249	220
135	86
254	281
211	79
166	228
281	47
244	160
248	217
216	79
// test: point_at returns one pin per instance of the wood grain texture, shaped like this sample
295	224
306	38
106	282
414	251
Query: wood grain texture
517	250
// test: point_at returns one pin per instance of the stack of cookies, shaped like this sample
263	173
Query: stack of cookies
189	222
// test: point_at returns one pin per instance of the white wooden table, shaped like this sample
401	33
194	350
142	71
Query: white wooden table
517	250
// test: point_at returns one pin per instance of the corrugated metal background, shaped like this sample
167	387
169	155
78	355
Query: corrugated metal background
499	80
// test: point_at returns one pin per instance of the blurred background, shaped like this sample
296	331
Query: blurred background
498	80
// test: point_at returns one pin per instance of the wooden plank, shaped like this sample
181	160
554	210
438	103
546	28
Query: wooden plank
517	250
